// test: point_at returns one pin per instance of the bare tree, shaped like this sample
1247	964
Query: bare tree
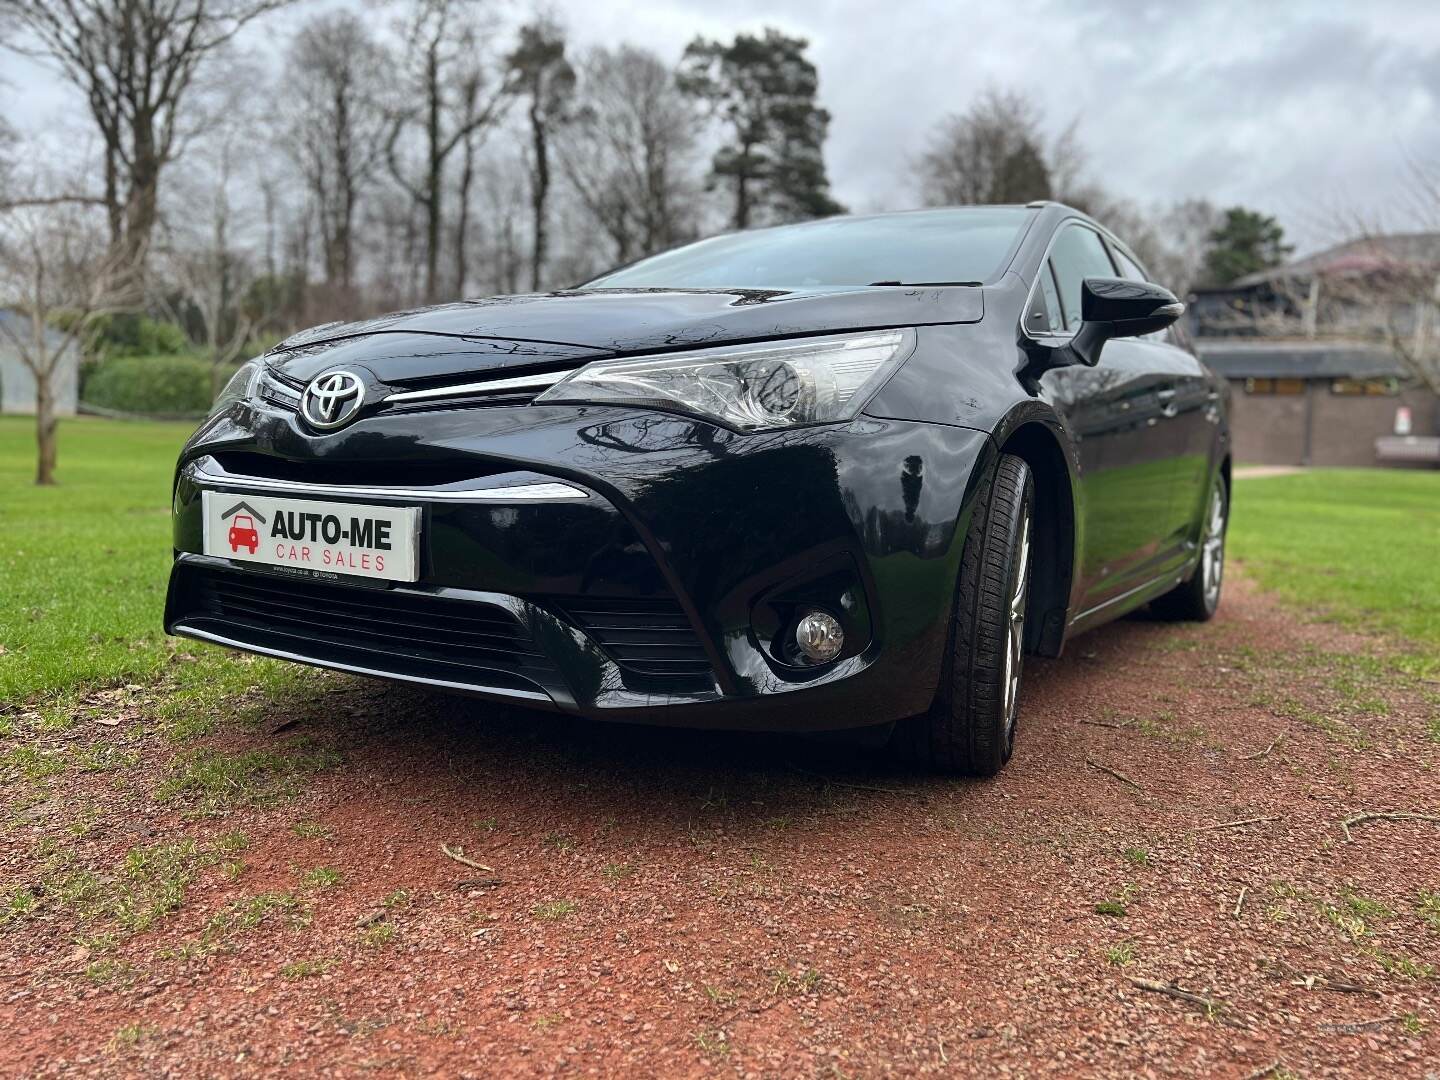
60	277
543	75
211	276
1376	288
135	61
994	152
338	129
451	102
629	151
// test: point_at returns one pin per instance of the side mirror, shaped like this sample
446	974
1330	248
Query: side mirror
1115	308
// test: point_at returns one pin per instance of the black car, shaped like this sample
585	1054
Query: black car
831	475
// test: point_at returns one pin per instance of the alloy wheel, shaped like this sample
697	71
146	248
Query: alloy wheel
1015	617
1212	554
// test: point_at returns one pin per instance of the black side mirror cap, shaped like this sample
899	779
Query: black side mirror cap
1114	308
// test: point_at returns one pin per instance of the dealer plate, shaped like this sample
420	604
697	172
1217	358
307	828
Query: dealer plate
322	538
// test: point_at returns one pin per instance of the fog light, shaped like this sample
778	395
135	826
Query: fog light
819	637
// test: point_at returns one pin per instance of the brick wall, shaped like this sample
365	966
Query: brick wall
1270	429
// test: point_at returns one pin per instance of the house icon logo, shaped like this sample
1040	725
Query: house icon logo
243	533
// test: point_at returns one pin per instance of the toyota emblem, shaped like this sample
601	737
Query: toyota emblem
332	400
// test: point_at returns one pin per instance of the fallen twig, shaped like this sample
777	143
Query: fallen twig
1346	988
459	856
1240	903
1234	824
1113	772
1266	752
1171	990
1386	815
1105	724
479	883
1361	1025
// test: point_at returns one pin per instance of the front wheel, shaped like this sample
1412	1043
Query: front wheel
1197	599
971	727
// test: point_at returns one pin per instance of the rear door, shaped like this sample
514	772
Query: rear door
1114	412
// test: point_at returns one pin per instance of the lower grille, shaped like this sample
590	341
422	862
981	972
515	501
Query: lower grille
646	637
385	630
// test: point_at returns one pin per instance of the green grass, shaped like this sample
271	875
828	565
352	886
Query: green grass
84	563
1355	545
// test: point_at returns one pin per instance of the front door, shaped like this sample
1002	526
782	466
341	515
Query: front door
1116	413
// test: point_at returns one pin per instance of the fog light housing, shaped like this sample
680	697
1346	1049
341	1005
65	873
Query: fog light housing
819	637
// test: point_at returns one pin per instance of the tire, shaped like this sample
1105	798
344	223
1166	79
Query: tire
971	727
1198	597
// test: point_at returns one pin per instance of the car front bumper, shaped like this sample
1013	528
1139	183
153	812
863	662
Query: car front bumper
666	594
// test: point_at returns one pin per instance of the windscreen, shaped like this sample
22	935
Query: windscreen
923	247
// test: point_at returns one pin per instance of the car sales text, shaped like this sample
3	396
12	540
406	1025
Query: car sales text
303	529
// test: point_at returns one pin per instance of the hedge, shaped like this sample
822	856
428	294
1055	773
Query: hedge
155	385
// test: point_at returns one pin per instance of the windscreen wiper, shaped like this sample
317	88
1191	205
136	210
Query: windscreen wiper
927	284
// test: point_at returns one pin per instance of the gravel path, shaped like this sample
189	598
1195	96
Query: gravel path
1158	884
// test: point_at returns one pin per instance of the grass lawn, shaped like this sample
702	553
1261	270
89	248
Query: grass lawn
84	564
1361	546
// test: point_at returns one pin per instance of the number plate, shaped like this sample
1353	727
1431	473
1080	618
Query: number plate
321	538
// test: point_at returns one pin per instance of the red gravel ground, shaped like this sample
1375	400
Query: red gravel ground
677	904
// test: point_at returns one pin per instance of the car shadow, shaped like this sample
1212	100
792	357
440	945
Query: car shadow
460	755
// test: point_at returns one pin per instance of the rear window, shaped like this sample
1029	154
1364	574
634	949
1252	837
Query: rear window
960	246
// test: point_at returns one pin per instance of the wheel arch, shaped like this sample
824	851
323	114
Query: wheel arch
1055	532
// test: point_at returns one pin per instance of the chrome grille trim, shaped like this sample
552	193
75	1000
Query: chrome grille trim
491	386
517	493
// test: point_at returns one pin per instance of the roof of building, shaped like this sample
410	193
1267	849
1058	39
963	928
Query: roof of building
1355	256
1254	358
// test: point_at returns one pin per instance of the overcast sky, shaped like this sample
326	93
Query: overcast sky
1296	108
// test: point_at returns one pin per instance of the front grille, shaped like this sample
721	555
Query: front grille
359	472
412	633
492	389
280	391
652	638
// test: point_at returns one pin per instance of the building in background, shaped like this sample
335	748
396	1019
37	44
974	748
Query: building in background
17	384
1332	359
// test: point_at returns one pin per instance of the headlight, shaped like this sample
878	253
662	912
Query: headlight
241	386
748	387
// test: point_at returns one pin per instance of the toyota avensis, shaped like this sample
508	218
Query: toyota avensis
840	474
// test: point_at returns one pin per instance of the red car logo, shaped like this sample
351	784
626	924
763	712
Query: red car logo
243	534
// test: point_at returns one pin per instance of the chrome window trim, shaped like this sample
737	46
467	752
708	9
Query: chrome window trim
1049	339
518	493
518	382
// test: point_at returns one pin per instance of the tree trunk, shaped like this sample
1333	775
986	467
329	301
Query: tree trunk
462	223
44	430
435	166
539	192
742	189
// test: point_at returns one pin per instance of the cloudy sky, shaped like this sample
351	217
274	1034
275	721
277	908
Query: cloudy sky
1300	108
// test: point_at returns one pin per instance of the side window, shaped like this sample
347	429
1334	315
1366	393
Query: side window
1078	253
1052	297
1044	314
1128	270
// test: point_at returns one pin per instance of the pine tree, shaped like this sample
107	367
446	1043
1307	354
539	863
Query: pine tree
763	89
